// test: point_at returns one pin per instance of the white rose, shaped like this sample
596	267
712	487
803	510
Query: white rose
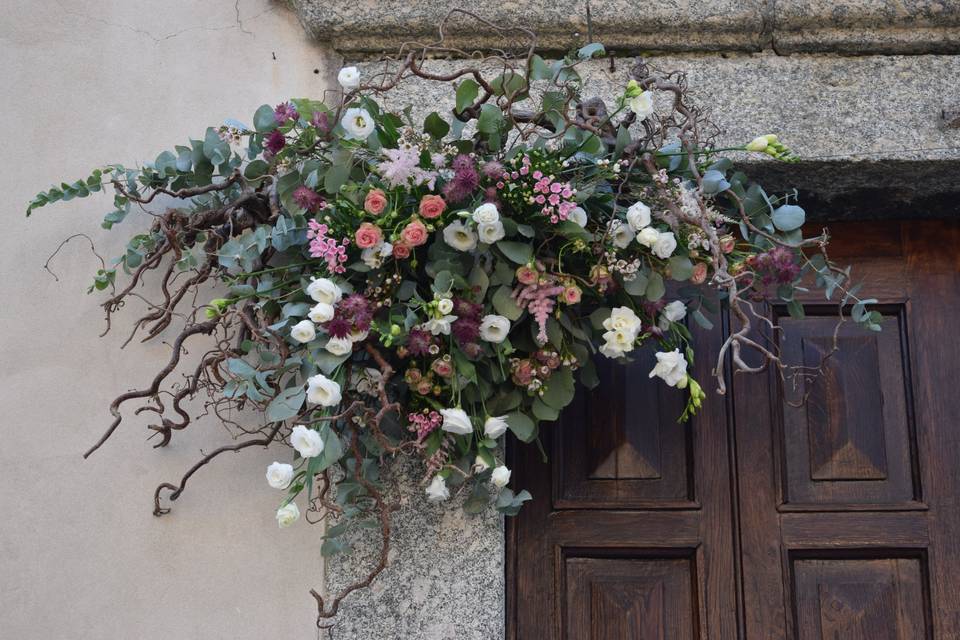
671	366
321	312
648	236
303	331
438	326
358	123
323	391
500	476
622	234
456	421
495	426
460	236
339	346
437	491
578	215
324	290
279	475
307	442
623	319
665	244
445	306
490	232
349	77
288	514
638	216
642	105
494	328
674	312
486	213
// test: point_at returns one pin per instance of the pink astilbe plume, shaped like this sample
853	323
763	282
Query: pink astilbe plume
540	300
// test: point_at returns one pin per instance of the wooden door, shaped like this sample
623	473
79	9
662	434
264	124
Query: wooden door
765	518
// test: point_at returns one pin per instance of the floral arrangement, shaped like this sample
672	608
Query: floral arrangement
420	287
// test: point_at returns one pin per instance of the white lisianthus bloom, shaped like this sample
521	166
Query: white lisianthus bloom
288	514
460	236
578	215
279	475
349	77
358	123
648	236
438	326
445	306
324	290
321	312
500	476
642	105
623	319
638	216
437	491
495	426
339	346
303	331
621	234
671	366
486	213
323	391
491	232
307	442
456	421
664	246
494	328
674	312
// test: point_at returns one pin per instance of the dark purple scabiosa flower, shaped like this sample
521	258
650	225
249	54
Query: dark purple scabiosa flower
464	181
285	111
320	121
354	304
418	342
465	330
338	327
463	308
308	199
274	143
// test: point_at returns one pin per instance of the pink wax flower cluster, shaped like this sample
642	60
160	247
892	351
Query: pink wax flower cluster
424	423
555	197
321	246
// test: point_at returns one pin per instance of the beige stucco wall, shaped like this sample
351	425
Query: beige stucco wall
86	82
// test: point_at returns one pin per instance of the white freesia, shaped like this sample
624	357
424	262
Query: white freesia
456	421
495	426
642	105
638	216
578	215
623	319
648	236
279	475
356	336
671	366
674	312
288	514
321	312
349	77
494	328
358	123
486	213
445	306
611	351
491	232
438	326
480	465
664	246
307	442
459	236
621	233
324	290
303	331
373	256
437	491
760	143
500	476
339	346
323	391
619	340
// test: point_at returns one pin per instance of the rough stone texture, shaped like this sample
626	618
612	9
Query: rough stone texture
869	128
445	576
851	26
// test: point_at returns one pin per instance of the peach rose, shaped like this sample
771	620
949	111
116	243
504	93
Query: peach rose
414	234
527	275
571	295
727	243
432	206
375	202
368	235
699	273
401	250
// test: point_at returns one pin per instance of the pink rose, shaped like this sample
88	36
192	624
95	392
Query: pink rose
432	206
442	368
375	202
401	250
368	235
699	273
727	243
414	234
571	295
526	275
